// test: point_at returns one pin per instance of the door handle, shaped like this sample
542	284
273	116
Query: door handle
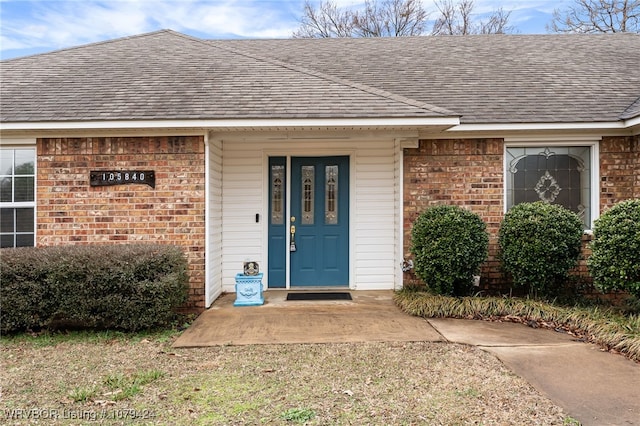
292	230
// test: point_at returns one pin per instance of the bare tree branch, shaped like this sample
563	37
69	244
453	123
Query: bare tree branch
378	18
391	18
446	23
396	18
597	16
497	23
325	22
457	19
465	7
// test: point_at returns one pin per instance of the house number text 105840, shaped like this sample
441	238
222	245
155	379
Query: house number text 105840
120	177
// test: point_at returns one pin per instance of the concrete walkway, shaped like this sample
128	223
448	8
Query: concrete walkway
592	386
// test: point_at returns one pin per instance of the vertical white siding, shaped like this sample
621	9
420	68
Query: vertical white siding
399	216
214	222
374	227
242	192
373	212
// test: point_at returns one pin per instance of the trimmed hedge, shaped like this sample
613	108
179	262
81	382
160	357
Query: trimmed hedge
539	244
449	244
614	263
123	287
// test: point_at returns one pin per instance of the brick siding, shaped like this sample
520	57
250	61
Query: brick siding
70	211
469	173
619	170
463	172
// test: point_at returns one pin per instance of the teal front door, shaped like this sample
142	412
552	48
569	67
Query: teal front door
319	222
314	236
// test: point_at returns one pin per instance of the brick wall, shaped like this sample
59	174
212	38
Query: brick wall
469	173
70	211
619	170
463	172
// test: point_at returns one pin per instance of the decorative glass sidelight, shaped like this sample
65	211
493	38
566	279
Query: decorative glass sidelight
308	194
277	194
331	195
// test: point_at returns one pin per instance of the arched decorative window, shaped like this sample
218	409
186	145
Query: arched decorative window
553	174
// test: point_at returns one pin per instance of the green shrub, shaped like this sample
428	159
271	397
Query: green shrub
124	287
615	260
449	244
539	243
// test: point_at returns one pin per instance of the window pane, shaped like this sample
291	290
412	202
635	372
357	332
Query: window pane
6	161
559	175
24	189
6	190
6	241
24	240
17	185
24	220
25	162
7	220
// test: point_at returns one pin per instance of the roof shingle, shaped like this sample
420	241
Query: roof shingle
483	79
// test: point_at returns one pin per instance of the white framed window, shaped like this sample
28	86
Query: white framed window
17	196
559	172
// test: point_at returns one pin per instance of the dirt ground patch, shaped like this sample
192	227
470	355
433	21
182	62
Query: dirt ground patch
145	381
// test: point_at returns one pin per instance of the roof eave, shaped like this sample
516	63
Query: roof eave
633	124
442	123
560	126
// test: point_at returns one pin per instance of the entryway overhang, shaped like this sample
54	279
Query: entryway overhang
240	165
302	125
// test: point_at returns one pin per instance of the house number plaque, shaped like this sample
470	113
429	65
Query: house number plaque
121	177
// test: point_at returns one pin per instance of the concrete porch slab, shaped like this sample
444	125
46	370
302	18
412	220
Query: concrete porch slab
370	317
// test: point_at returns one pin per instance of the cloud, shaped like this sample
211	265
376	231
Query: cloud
59	24
31	26
63	23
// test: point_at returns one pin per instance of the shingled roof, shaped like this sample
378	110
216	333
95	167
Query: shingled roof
481	79
485	78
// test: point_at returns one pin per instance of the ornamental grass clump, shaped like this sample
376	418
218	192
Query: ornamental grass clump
539	244
603	326
614	263
449	244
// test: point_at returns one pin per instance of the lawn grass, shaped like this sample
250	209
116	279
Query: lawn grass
138	378
114	380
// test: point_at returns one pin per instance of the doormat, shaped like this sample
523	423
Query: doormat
319	296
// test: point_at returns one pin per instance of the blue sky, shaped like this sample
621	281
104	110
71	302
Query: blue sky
34	26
